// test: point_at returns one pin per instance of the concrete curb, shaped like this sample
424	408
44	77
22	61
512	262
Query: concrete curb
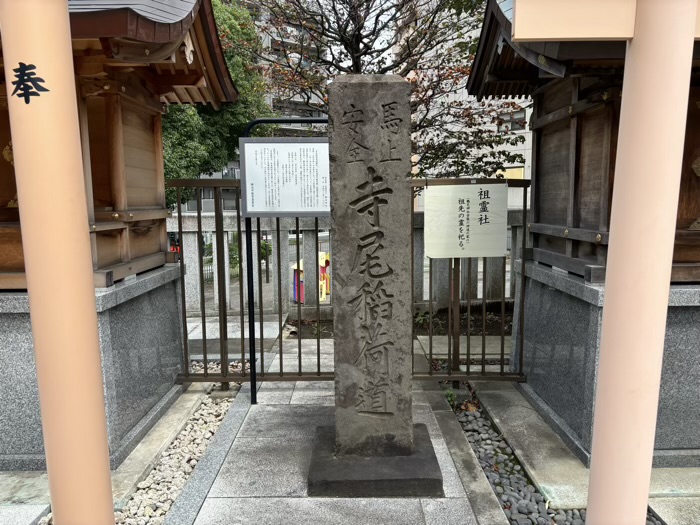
482	499
186	507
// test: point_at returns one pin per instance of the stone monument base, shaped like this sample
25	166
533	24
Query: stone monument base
416	475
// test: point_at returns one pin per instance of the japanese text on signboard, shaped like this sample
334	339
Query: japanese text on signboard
466	220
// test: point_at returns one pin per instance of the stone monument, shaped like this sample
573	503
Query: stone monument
374	449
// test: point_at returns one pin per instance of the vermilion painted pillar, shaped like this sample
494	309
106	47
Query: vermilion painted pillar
38	62
642	231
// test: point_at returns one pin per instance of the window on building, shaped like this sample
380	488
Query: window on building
512	121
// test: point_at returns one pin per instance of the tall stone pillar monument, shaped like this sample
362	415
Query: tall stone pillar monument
375	449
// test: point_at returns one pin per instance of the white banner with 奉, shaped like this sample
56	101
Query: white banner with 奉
466	220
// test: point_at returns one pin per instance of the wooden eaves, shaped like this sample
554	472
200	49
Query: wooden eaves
151	33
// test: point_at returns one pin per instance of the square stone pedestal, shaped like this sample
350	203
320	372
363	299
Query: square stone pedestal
417	475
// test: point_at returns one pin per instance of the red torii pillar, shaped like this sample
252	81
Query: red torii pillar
41	92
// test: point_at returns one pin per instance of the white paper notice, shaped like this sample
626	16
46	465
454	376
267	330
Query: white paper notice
466	221
286	178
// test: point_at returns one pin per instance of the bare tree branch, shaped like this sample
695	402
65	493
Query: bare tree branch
428	42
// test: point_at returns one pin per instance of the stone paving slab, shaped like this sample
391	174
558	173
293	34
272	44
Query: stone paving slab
22	514
308	363
675	482
24	488
308	346
677	511
313	397
454	511
257	467
554	469
233	328
493	346
312	393
271	393
282	423
316	386
319	511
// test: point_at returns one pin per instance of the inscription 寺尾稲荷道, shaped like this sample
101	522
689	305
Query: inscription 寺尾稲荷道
371	301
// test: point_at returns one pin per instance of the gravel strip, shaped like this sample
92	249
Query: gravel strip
521	502
155	495
214	366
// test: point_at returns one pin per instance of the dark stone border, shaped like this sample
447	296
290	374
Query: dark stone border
417	475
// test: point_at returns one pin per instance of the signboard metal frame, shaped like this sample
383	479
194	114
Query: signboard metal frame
244	187
480	240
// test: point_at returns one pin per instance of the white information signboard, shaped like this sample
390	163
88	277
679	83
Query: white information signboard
285	177
466	220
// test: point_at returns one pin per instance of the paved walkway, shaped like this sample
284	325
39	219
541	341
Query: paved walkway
22	514
233	328
255	469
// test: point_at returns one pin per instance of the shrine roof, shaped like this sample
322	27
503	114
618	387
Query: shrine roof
503	68
161	11
150	31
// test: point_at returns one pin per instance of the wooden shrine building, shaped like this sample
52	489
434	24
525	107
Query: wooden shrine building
129	64
131	60
576	88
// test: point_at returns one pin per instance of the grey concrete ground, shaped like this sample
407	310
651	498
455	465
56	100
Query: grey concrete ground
677	511
559	475
493	346
263	478
256	467
21	514
233	328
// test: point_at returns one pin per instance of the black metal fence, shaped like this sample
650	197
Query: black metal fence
215	321
453	362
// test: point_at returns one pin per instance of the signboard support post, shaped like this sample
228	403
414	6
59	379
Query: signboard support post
456	315
249	254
